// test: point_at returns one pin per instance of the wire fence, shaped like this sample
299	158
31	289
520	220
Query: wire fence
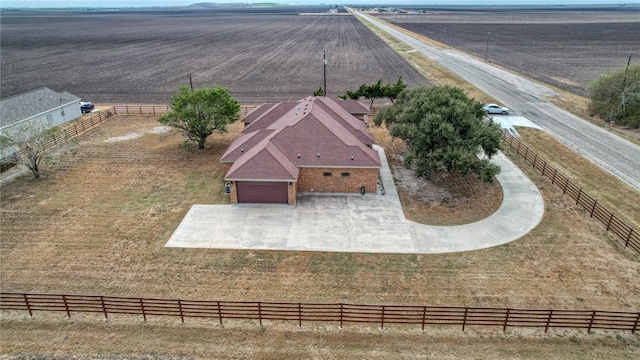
628	235
339	313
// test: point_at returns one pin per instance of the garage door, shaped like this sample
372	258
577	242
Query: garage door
262	192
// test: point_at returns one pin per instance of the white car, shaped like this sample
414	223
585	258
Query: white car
495	109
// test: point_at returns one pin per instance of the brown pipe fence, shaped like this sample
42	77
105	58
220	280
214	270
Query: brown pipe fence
162	109
339	313
628	235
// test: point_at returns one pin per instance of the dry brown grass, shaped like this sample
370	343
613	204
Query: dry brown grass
97	223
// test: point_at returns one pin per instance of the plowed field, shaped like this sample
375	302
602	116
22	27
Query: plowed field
140	57
564	48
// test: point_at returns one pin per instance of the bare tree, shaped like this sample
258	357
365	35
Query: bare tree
28	141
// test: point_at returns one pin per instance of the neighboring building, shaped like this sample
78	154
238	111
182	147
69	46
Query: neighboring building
42	104
311	145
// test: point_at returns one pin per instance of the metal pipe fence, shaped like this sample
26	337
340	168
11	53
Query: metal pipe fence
628	235
338	313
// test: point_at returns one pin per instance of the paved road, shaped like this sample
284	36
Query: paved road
616	155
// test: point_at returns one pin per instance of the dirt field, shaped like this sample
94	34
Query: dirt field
98	220
562	47
142	57
97	223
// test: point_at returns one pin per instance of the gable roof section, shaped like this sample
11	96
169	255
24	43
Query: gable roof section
263	163
26	105
266	114
358	128
319	142
316	132
353	107
242	144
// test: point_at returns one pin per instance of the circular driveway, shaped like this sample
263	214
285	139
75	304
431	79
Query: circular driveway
356	223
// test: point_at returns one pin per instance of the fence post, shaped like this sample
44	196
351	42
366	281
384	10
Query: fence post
595	203
526	153
181	313
548	321
341	312
260	312
506	321
382	319
626	243
609	222
535	159
219	313
464	319
104	308
579	194
593	315
544	167
299	315
144	314
424	316
566	183
553	179
26	301
635	326
66	306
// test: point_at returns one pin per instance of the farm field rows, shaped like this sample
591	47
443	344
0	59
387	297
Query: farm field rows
566	49
140	57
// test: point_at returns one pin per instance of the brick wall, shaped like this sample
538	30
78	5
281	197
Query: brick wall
291	191
314	180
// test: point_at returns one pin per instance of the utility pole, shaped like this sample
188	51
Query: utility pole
626	72
486	52
324	67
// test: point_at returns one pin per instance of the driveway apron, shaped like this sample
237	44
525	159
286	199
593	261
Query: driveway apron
359	223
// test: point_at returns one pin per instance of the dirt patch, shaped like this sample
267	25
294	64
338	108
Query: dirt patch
444	199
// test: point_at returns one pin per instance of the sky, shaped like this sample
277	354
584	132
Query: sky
146	3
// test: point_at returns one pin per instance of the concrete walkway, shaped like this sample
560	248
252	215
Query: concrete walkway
356	223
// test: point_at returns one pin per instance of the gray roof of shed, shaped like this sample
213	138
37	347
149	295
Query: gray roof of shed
26	105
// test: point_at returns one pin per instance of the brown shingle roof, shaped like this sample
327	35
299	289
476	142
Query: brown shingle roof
316	132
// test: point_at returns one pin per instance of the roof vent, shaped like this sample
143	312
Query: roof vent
298	156
351	157
242	150
318	155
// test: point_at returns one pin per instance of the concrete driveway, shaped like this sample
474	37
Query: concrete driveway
356	223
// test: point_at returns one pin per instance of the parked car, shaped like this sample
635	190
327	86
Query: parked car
86	107
495	109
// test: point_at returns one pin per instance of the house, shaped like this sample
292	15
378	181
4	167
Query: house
311	145
43	105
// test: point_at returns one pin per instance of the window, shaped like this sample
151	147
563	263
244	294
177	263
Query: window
327	174
345	174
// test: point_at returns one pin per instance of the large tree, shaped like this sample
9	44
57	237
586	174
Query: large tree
444	131
376	91
198	113
28	143
616	96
